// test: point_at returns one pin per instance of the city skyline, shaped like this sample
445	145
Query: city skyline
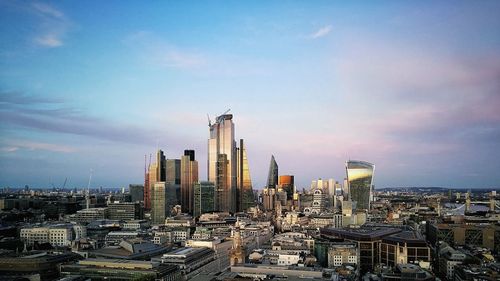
315	85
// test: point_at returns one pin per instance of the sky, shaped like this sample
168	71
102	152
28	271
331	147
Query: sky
411	86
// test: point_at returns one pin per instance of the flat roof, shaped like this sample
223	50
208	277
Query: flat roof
362	233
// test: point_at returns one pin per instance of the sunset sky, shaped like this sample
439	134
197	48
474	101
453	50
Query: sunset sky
411	86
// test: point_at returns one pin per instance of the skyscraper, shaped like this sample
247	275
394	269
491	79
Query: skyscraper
173	179
159	202
136	192
204	197
189	175
272	177
222	168
286	182
360	180
244	192
156	173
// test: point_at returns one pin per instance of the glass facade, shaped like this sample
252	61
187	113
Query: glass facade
272	177
221	142
245	191
204	197
189	175
359	180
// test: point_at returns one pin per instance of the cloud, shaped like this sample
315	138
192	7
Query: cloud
15	145
156	51
55	116
323	31
159	52
52	25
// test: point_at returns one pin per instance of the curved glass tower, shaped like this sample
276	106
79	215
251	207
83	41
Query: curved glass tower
359	180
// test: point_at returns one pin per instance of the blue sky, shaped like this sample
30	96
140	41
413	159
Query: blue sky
409	86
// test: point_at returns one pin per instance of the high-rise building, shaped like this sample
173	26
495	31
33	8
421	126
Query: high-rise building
173	179
189	175
360	180
204	198
156	173
286	182
272	177
136	192
159	202
222	168
245	192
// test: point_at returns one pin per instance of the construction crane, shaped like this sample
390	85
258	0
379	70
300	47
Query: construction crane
88	190
219	118
209	121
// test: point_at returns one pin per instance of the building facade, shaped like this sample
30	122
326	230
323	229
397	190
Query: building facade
360	181
189	175
204	198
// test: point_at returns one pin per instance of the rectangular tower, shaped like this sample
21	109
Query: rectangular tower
189	175
221	142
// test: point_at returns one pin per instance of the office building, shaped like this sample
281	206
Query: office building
204	198
91	214
244	191
222	168
268	198
272	176
156	173
118	269
189	175
360	180
136	192
159	202
287	183
367	238
125	211
404	247
173	176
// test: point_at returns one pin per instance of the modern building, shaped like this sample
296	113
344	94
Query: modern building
173	183
368	239
287	183
191	261
272	176
245	194
189	175
204	198
34	265
125	211
222	168
268	198
360	181
136	192
481	235
157	172
91	214
117	269
404	247
159	202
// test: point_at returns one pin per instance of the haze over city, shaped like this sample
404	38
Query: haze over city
410	87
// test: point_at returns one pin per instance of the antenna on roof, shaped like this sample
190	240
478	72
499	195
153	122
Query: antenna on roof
209	121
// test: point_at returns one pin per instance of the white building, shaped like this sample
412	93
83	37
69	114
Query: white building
56	235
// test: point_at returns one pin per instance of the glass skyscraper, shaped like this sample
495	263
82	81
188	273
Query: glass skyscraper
360	180
189	175
272	177
204	195
222	170
245	191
